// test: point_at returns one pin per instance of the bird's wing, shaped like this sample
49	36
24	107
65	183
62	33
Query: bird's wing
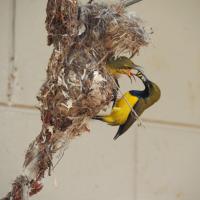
139	108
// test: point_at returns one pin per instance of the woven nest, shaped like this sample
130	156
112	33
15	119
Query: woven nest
77	85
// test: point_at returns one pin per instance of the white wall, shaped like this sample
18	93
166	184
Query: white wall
158	162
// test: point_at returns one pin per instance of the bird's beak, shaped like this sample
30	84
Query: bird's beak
132	74
137	67
139	72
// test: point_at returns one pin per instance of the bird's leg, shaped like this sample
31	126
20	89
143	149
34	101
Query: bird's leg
117	82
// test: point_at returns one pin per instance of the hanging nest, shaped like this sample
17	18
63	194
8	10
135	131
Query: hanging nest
78	85
112	28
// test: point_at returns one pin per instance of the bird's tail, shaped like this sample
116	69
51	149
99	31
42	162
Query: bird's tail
116	136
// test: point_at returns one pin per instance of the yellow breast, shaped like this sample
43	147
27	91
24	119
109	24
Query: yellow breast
121	110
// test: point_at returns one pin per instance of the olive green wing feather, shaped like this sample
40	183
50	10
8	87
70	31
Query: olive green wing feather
139	109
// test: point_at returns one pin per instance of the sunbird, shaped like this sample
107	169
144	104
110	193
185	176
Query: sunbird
122	115
120	66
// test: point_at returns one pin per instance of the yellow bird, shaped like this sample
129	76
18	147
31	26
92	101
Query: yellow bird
122	114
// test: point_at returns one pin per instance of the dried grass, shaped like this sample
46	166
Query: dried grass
77	85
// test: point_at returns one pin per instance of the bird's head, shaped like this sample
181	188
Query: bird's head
128	66
122	65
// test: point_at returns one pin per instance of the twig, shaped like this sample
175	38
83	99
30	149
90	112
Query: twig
130	2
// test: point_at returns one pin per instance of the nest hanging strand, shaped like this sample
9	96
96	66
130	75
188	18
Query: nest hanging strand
127	3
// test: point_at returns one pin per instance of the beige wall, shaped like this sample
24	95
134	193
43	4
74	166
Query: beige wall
158	162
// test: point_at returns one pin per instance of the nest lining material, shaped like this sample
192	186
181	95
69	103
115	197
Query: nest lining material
78	85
